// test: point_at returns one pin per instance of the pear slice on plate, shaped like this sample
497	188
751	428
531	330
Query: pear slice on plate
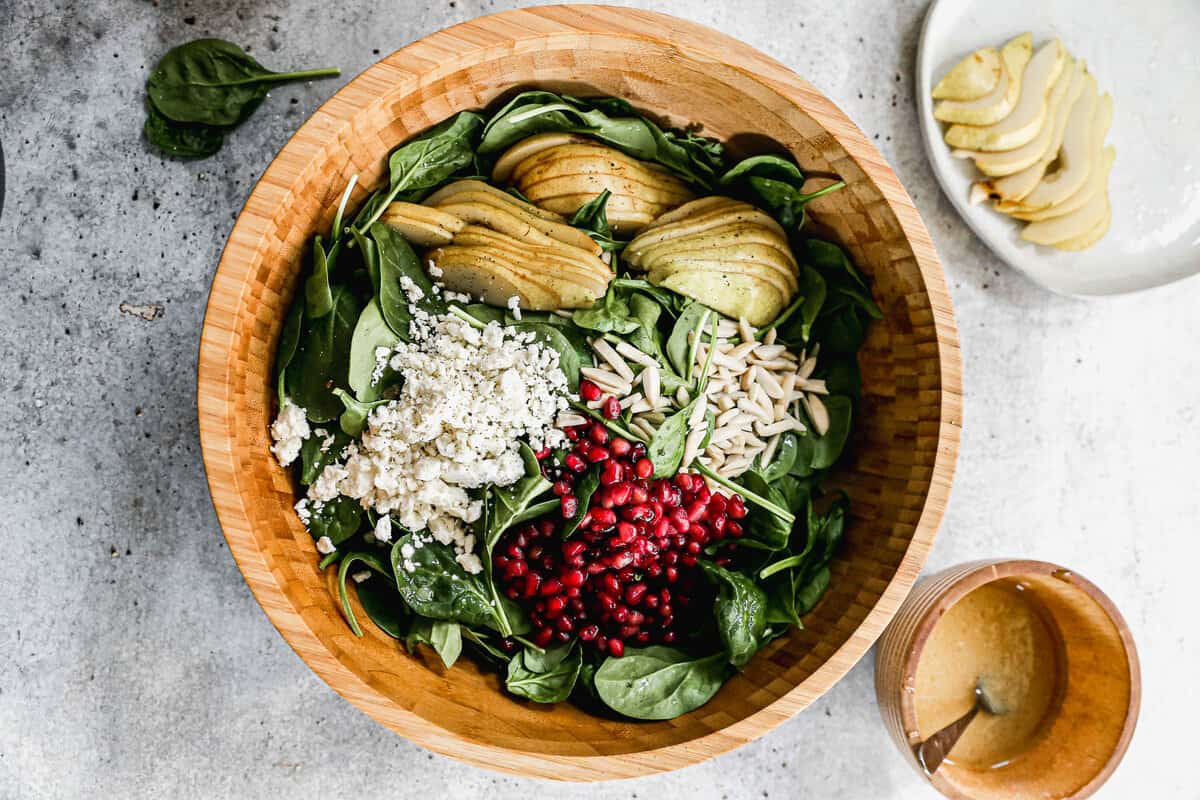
1007	162
971	78
1015	187
996	104
1092	236
1095	183
1028	116
1076	159
1072	225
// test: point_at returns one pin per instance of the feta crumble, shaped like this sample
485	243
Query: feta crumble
514	305
289	430
469	396
325	545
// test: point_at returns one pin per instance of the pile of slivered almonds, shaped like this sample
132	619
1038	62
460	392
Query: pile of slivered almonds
755	390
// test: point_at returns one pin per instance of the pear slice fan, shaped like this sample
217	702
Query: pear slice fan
1034	123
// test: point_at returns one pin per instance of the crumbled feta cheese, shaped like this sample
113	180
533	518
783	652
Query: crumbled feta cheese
469	396
303	512
514	305
289	430
407	550
434	270
327	439
360	576
325	546
383	529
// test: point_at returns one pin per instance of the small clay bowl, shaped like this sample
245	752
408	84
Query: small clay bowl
1086	734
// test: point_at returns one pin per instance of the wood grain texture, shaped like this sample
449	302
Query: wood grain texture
1095	716
898	471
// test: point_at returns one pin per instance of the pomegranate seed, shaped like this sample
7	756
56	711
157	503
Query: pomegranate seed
610	474
625	533
616	648
696	509
668	637
570	505
573	549
634	593
650	601
588	391
574	463
620	560
611	584
694	547
598	433
555	605
596	454
717	504
620	493
619	447
517	569
611	407
684	482
543	454
620	614
546	527
564	624
573	578
561	487
672	574
733	529
718	525
639	494
542	637
589	632
532	582
603	518
664	610
550	587
644	468
736	507
572	433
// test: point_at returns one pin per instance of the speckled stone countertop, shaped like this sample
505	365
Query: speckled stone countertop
134	661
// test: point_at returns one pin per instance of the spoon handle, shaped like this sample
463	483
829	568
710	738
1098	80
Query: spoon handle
933	751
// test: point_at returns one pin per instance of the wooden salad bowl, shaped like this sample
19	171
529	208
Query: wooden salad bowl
897	471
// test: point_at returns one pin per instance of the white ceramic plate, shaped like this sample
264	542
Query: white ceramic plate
1145	55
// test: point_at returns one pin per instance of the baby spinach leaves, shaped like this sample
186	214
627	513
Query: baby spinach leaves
318	296
369	559
338	519
774	183
685	338
584	490
393	266
438	588
354	418
659	682
315	455
592	217
321	360
371	333
289	340
826	449
665	450
740	610
446	638
383	605
609	314
544	678
204	87
841	325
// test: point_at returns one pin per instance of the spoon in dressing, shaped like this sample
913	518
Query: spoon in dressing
933	751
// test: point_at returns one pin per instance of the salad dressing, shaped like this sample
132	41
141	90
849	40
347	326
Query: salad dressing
1000	635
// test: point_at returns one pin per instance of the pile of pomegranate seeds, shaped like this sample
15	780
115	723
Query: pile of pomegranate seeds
628	573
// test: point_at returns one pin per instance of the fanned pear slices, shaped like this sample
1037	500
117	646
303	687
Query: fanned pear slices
971	78
1029	115
560	175
996	104
722	252
1073	224
494	246
1076	156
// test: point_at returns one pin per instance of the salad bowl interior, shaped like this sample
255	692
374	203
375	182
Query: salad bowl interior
898	469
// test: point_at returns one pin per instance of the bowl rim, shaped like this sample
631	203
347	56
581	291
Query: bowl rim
980	573
216	421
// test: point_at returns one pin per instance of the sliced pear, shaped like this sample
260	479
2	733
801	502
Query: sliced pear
1027	117
443	196
1076	156
696	262
559	231
765	257
732	295
971	78
421	225
1015	187
695	207
996	104
710	216
1095	183
548	260
1074	224
484	275
1091	237
735	234
1007	162
530	147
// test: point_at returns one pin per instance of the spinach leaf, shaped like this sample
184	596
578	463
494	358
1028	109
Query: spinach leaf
609	120
682	344
827	448
439	588
314	460
547	659
371	332
424	163
484	314
740	610
841	325
592	217
318	297
371	560
180	138
322	356
659	682
484	646
665	450
446	638
511	501
553	338
810	593
547	686
394	264
584	490
214	82
765	530
774	183
784	459
674	303
609	314
289	339
338	519
781	599
354	418
383	605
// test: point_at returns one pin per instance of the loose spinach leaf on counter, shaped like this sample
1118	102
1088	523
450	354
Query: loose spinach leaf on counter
551	684
659	682
439	588
740	610
180	138
371	332
609	120
322	356
774	183
593	218
420	165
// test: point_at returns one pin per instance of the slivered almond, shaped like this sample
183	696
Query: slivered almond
770	336
768	383
769	351
696	419
816	387
654	417
775	364
682	398
613	358
745	330
773	428
569	419
724	403
740	352
691	446
635	355
772	446
652	384
632	399
754	409
818	414
807	368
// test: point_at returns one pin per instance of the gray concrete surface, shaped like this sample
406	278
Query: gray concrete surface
134	661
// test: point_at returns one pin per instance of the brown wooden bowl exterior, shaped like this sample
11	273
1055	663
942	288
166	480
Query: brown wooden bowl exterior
906	442
1077	757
